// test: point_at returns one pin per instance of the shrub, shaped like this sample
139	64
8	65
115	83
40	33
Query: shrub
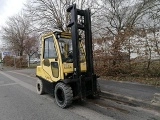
20	62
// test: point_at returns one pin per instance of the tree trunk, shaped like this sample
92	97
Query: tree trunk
149	61
21	53
29	60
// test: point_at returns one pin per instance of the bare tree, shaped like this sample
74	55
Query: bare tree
119	18
31	46
16	32
153	24
51	14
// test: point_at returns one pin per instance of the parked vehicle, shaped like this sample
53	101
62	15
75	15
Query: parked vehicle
35	60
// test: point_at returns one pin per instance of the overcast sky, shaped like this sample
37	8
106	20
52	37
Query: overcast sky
9	8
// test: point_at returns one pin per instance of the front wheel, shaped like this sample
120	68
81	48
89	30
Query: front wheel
63	95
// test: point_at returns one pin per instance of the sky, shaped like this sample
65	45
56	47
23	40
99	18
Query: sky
9	8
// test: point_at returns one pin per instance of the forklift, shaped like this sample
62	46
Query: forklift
66	67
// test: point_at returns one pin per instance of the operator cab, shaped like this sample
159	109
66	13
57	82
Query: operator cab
65	45
57	55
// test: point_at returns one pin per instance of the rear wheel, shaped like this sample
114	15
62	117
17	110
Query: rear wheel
63	95
40	87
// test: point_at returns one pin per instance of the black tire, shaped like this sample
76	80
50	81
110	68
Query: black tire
63	95
40	87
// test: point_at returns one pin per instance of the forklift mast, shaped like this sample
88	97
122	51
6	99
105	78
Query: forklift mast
86	27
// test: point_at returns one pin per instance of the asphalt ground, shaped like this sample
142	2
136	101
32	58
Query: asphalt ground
19	100
134	93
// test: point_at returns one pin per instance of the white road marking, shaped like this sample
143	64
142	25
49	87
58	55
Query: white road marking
23	74
18	81
9	84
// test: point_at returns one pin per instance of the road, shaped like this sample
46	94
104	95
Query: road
19	101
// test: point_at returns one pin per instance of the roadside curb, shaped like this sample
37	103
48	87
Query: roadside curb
131	100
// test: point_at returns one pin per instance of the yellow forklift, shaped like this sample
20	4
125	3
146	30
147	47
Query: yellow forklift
66	67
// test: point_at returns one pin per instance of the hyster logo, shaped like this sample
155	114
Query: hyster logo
66	66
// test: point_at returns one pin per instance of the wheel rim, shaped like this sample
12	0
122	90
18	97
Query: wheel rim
60	96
